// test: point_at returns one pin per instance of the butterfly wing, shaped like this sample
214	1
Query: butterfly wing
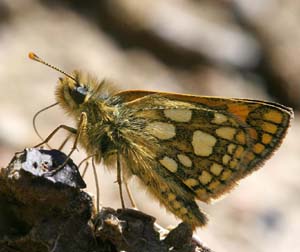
197	147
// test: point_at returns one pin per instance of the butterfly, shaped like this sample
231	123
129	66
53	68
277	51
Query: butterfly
182	148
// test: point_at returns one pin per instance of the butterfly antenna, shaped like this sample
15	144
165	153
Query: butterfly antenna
34	57
34	120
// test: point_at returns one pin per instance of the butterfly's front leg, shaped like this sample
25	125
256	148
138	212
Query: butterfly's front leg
65	127
78	132
82	127
119	178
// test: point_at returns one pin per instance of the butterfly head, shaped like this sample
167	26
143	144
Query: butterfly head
76	91
72	90
73	93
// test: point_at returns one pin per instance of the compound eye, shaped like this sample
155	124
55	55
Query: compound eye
78	94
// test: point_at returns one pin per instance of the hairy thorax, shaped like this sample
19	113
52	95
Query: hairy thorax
99	136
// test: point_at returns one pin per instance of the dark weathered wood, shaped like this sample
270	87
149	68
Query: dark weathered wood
43	209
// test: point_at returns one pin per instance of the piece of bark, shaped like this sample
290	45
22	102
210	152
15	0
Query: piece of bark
44	209
132	230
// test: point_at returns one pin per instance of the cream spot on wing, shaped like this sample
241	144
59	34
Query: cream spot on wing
205	178
171	196
191	182
178	115
203	143
201	192
169	163
183	210
226	159
214	185
176	204
233	164
219	118
163	187
185	160
216	169
226	175
161	130
230	148
226	132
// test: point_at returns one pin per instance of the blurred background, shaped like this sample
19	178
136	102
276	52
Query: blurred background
231	48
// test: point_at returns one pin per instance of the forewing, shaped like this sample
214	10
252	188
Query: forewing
205	143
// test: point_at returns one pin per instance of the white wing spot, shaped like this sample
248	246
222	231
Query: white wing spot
203	143
161	130
226	158
169	163
219	118
171	196
176	204
183	211
205	178
216	169
230	148
226	132
191	182
178	115
185	160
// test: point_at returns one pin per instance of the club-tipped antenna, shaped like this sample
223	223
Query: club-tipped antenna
34	57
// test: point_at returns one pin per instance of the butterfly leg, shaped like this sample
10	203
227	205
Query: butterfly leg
65	127
97	185
85	160
82	126
119	178
86	166
65	142
132	201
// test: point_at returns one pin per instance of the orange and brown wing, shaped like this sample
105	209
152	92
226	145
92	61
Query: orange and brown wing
222	140
199	147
